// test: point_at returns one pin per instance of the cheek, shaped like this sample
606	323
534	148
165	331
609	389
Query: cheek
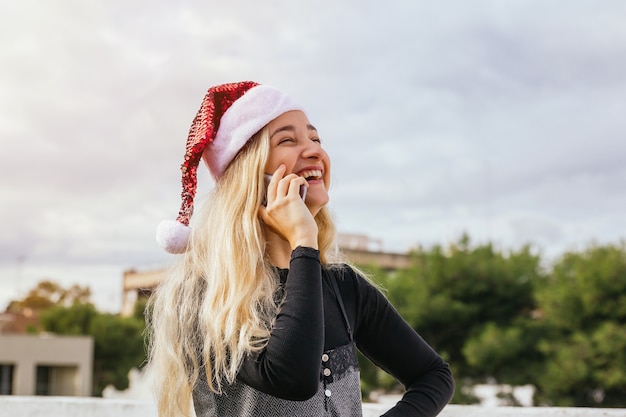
273	163
327	170
277	159
270	166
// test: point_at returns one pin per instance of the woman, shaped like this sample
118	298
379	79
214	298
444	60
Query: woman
260	317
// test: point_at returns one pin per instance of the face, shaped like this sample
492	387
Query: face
295	143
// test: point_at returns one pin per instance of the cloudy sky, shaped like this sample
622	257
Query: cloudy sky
504	120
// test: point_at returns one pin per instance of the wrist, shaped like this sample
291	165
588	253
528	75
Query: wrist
305	252
305	243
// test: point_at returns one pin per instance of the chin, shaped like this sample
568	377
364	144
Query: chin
317	198
316	204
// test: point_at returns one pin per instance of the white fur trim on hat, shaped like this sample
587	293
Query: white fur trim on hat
173	236
245	117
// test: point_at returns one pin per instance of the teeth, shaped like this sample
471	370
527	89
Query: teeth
311	174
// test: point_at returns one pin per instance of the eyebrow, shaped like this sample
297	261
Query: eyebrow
291	128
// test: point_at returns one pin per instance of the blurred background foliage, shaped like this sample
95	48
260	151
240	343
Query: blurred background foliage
509	317
118	341
497	316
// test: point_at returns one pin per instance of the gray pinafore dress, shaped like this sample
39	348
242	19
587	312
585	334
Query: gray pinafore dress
338	395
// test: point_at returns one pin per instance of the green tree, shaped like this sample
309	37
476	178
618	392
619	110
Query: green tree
583	304
118	341
508	353
47	294
471	304
118	347
73	320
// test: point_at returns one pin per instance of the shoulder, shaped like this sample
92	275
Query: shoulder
343	274
351	281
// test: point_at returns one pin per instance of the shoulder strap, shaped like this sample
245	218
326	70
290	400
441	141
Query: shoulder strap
333	282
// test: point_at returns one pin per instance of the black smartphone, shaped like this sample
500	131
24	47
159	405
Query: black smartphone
268	178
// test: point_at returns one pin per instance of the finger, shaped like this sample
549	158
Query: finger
285	184
272	185
279	173
295	184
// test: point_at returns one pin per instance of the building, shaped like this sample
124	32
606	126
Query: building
46	365
359	249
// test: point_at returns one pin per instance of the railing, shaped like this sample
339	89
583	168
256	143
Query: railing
19	406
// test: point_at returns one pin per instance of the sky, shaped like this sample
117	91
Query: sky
496	119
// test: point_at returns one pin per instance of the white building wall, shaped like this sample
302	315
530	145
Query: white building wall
70	356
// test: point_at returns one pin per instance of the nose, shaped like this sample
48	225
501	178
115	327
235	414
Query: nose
313	150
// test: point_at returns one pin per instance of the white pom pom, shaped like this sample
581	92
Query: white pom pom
173	236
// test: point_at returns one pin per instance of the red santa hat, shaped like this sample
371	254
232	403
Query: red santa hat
229	116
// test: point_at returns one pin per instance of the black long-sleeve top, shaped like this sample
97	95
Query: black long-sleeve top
310	322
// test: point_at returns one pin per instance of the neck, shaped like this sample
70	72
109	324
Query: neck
278	250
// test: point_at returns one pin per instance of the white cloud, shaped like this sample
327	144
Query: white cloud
504	121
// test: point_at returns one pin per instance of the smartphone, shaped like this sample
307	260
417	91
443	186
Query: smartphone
268	178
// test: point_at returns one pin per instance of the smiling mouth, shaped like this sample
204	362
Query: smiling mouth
311	175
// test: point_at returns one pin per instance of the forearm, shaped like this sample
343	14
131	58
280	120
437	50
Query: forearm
289	365
390	342
426	396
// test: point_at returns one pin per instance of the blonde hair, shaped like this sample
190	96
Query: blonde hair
217	303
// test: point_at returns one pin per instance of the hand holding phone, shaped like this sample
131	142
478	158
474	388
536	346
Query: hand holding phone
289	219
268	178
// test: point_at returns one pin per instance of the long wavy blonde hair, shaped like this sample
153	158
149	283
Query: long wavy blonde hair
217	303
